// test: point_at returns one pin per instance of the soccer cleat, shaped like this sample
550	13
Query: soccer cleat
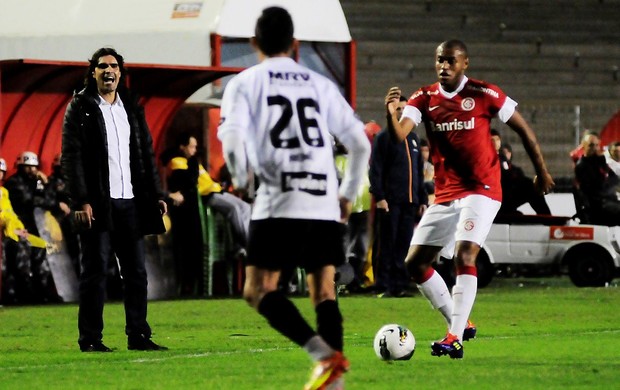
470	331
450	345
327	371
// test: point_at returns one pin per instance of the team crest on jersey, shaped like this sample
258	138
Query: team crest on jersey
469	225
468	104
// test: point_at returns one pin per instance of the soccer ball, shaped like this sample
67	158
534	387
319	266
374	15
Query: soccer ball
394	342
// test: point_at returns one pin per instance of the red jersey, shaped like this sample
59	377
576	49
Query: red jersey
459	133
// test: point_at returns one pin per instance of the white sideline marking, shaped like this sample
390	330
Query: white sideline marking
259	350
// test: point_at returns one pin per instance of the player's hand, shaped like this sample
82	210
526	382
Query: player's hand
345	209
543	183
392	100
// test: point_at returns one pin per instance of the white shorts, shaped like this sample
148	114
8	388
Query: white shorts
466	219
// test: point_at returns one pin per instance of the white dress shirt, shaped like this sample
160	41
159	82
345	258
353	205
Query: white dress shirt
117	133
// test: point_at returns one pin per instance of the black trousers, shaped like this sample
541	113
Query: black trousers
127	243
393	232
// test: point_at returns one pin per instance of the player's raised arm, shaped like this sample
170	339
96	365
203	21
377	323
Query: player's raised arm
543	180
405	125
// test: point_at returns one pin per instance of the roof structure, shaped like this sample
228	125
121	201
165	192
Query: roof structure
172	48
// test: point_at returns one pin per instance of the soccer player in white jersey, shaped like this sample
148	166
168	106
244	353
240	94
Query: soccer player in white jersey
457	112
277	117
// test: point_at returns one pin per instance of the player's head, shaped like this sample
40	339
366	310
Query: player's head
106	71
451	61
274	30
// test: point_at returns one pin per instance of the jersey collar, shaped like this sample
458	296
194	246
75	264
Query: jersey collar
452	94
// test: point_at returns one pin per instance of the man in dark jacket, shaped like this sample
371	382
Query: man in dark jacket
108	160
597	184
397	184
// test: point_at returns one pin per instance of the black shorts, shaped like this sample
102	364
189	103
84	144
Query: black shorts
283	243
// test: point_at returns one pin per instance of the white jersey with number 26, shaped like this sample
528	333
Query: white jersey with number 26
277	117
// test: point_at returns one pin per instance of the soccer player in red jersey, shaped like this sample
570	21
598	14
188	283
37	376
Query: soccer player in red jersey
457	113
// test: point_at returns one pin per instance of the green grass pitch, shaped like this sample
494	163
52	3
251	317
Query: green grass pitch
532	336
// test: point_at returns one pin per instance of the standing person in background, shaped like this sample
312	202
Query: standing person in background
182	168
277	116
597	183
429	170
397	184
58	192
612	156
107	157
457	112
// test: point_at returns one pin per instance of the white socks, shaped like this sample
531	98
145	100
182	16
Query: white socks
455	308
318	349
436	291
464	295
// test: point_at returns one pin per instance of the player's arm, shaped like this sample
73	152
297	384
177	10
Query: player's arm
402	128
236	159
235	114
543	180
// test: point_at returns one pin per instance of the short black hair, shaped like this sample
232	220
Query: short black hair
455	44
183	138
507	146
274	31
402	99
495	132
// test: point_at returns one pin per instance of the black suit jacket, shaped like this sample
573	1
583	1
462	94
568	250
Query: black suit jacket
85	161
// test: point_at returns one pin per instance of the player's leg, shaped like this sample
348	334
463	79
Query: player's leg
323	297
433	233
465	289
260	291
476	214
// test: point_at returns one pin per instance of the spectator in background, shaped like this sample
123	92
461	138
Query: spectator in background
58	191
517	189
429	170
17	277
598	184
397	184
28	190
182	168
107	158
578	152
612	156
356	237
188	176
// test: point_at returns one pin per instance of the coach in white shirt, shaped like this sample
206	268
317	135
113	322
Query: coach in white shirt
107	156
